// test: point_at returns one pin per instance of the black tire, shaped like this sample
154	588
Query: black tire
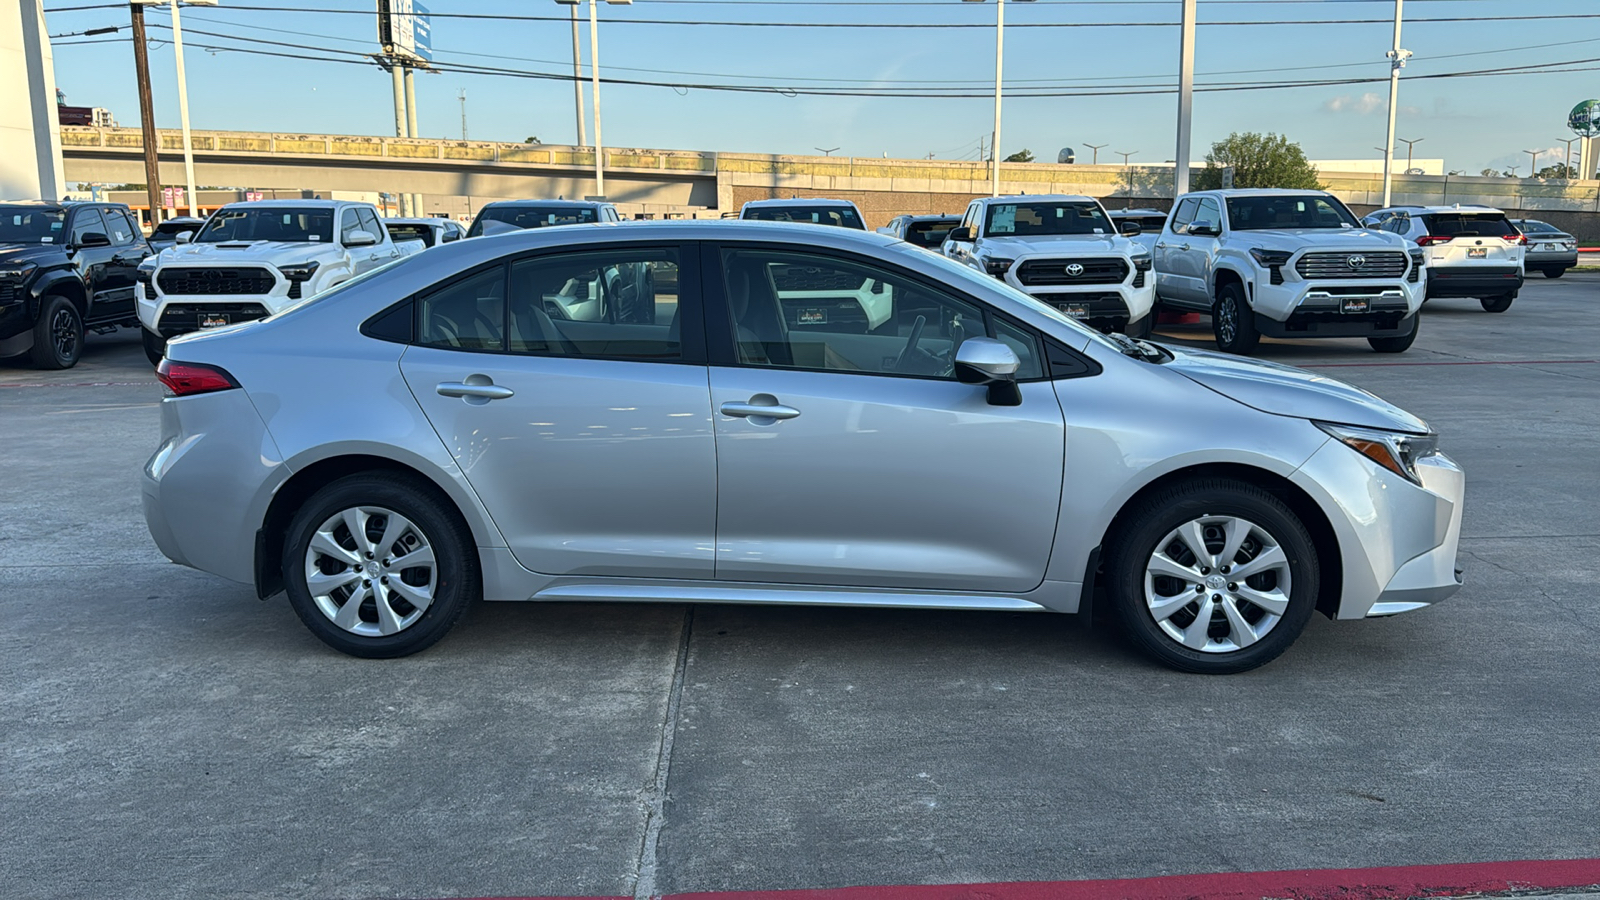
1398	343
1233	322
456	580
57	334
1134	545
1497	304
1555	272
155	346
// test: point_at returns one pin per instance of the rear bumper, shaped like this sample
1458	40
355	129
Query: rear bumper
1565	260
1473	281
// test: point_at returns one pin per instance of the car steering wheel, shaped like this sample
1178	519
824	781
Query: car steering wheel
911	344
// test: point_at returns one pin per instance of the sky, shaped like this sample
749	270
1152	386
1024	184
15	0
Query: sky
1117	58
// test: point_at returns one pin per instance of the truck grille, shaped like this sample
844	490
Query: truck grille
1352	265
9	291
182	318
1054	272
226	282
808	278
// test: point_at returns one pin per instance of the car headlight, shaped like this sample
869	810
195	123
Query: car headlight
998	266
1141	262
1396	451
1270	259
300	271
18	271
146	272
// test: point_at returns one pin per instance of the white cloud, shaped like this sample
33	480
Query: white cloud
1366	104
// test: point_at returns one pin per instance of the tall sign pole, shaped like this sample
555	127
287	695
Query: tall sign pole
577	79
999	71
1180	178
147	116
1397	61
594	77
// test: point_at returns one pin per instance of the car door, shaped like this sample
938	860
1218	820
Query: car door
89	240
962	251
590	443
875	468
114	291
1202	252
1175	272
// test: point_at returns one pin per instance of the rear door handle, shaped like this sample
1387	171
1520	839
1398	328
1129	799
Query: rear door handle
758	410
486	391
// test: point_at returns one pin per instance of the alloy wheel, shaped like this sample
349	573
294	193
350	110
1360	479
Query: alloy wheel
64	333
371	571
1217	584
1227	320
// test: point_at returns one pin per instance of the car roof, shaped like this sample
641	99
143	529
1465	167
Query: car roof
1264	192
797	201
1146	211
574	204
933	217
418	220
1029	198
1455	207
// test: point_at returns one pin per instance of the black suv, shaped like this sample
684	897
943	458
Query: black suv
65	267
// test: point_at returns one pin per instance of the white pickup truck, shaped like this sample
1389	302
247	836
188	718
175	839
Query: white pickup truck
254	259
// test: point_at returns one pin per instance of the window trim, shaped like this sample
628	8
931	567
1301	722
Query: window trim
719	331
78	216
1175	224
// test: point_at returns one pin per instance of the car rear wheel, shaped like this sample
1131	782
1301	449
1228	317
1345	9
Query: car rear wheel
57	335
377	567
1555	272
1213	576
1398	343
155	346
1233	322
1497	304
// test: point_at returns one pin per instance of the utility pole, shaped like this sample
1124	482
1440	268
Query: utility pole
594	88
411	128
577	78
1397	61
183	110
1180	179
1096	149
462	96
147	116
399	118
999	71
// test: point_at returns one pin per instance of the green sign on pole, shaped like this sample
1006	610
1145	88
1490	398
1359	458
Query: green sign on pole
1584	119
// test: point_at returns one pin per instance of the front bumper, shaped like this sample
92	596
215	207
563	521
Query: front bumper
1343	308
170	315
1473	281
1398	541
1106	306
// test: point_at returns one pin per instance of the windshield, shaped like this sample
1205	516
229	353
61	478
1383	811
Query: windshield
516	217
31	224
841	216
965	275
930	234
1263	213
1531	227
279	223
1023	219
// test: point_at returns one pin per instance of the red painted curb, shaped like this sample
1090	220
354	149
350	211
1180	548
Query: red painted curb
1305	884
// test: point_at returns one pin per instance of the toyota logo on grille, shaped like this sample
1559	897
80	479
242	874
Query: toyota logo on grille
1356	262
1075	270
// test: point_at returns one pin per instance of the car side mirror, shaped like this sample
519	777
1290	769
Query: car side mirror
963	234
94	239
1203	229
1131	229
183	237
987	361
360	239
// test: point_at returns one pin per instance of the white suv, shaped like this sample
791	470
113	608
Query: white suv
810	210
1288	264
1066	252
1473	251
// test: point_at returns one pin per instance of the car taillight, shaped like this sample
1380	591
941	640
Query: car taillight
1429	239
1516	238
187	379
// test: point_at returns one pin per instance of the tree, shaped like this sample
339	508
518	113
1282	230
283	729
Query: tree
1258	161
533	139
1023	155
1559	170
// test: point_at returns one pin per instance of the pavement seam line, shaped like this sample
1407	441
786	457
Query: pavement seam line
644	882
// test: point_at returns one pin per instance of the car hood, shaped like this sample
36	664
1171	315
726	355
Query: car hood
1336	240
21	254
273	252
1288	391
1057	245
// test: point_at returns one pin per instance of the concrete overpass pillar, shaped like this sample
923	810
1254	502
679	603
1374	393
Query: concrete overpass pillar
30	131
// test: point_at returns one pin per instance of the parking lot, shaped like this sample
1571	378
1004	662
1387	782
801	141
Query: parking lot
166	734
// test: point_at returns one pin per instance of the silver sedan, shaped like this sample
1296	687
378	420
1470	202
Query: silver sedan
736	412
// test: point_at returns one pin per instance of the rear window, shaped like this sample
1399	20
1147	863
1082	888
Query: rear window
841	216
1453	224
929	234
511	218
1539	228
412	232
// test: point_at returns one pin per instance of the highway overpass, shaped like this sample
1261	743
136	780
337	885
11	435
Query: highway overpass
455	177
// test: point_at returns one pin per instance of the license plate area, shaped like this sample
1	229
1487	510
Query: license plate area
811	316
1477	253
1355	305
1075	310
213	320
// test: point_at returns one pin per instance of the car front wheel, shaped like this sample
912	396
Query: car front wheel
1213	576
1554	272
155	346
376	566
57	335
1233	322
1497	304
1398	343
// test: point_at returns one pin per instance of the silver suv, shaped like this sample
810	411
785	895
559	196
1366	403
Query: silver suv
1288	264
437	432
1473	251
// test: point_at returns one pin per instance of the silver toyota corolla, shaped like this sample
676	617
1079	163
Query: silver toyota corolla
747	412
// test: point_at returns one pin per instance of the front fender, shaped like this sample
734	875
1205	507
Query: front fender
63	280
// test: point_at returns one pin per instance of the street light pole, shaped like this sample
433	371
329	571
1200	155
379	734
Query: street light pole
1397	61
1180	182
594	81
1096	149
1533	164
1412	142
577	79
1566	158
183	107
999	72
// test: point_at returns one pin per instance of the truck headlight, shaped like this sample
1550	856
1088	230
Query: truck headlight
998	266
1270	259
298	275
1142	263
1396	451
18	271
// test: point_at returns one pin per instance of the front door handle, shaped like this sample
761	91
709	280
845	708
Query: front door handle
1161	246
1183	246
485	390
753	410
